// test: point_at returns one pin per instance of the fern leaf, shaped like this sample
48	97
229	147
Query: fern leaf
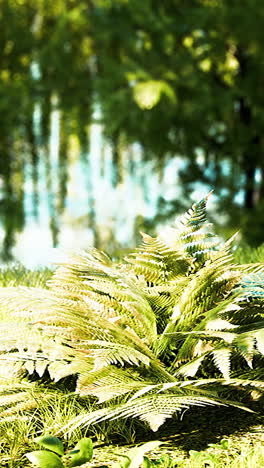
191	368
157	262
104	353
154	409
108	383
220	324
245	343
260	341
221	359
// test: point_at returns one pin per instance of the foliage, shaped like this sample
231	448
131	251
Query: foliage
136	456
83	453
216	456
47	413
171	327
243	448
219	456
50	458
18	275
247	254
188	73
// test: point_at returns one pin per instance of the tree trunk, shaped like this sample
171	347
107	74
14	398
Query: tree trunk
249	156
63	162
249	199
117	176
31	137
251	151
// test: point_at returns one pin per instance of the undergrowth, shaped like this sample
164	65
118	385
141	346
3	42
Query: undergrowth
236	346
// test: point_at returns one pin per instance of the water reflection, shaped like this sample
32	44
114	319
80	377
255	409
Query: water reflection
116	209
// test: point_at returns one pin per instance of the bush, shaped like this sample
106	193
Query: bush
170	327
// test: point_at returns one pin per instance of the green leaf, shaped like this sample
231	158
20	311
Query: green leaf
147	463
147	94
44	459
125	463
82	452
165	462
191	368
194	453
224	444
137	454
51	443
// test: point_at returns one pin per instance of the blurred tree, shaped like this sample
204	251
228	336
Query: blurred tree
179	77
186	78
44	61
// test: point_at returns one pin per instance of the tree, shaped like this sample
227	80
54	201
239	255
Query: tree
199	66
180	78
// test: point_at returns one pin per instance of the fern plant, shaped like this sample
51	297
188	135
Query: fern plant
168	328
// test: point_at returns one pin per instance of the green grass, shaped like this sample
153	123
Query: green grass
205	438
214	438
246	254
209	438
17	275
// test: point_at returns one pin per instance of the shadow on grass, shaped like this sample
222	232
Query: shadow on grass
195	431
200	427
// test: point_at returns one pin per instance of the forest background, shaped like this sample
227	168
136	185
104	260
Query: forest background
115	114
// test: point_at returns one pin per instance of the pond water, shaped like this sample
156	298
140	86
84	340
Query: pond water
115	209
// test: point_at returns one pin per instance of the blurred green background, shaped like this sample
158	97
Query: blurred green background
115	115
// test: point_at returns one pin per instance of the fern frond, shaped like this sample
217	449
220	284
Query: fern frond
105	353
221	358
205	290
191	368
112	292
260	340
109	382
245	343
157	262
192	234
153	409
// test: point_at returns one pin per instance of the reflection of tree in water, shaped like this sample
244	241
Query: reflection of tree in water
177	79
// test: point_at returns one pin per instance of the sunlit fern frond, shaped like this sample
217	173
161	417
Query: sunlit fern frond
154	408
222	360
109	291
47	308
253	284
110	382
104	353
206	289
192	234
157	262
